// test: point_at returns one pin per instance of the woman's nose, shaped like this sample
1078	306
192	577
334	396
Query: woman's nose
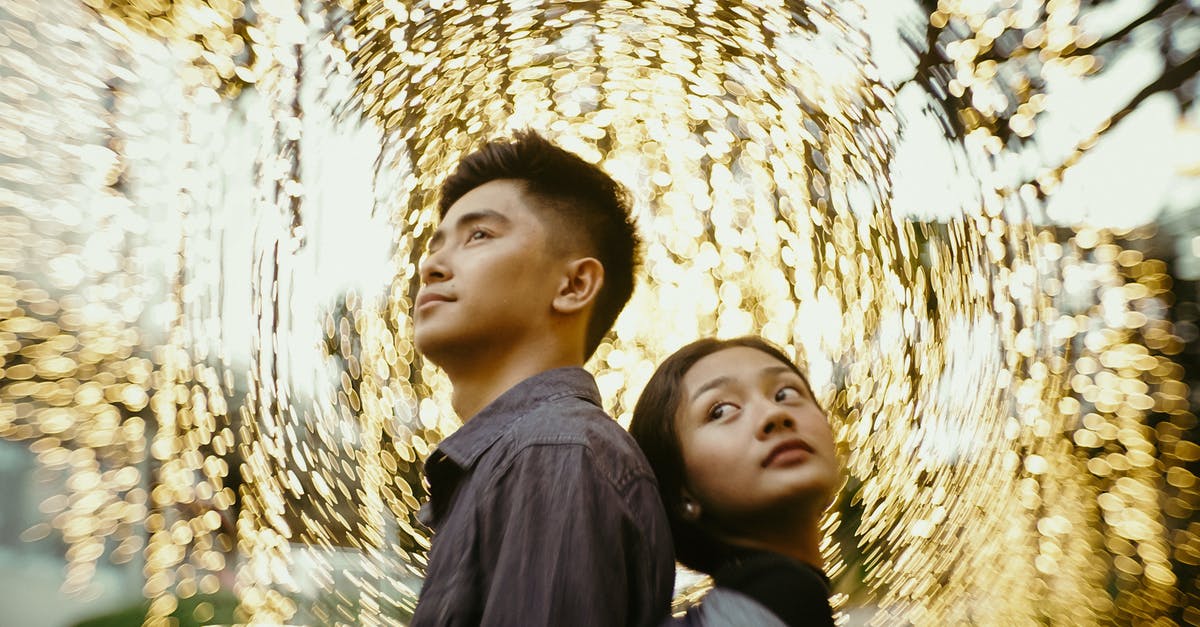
776	419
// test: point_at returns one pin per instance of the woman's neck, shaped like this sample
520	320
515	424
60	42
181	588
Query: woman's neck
799	539
807	551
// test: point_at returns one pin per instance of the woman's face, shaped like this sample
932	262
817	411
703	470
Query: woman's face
755	443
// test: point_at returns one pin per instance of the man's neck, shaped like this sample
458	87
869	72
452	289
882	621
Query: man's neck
478	382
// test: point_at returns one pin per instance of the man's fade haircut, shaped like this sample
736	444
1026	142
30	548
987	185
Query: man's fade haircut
581	199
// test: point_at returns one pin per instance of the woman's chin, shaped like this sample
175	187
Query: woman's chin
807	483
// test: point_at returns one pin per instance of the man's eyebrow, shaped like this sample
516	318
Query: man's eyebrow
482	215
466	219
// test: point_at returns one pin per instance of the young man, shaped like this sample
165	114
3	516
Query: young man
544	510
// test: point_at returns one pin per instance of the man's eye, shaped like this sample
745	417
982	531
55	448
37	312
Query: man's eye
788	393
720	410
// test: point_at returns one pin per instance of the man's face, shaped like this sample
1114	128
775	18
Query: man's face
488	279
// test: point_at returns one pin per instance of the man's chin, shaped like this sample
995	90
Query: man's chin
425	342
435	346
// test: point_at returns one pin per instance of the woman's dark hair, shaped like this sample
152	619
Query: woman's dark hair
653	427
584	206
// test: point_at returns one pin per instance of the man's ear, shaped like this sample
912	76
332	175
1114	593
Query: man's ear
581	283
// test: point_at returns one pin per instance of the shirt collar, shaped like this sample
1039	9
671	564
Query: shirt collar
468	443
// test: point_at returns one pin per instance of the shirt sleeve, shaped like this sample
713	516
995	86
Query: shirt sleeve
563	544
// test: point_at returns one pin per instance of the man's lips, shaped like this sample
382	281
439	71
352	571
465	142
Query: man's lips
431	297
787	447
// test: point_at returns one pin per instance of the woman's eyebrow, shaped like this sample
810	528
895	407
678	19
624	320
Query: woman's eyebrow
710	384
716	382
775	370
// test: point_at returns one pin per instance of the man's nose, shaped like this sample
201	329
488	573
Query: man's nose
434	268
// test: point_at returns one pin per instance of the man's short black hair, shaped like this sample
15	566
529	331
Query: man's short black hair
578	202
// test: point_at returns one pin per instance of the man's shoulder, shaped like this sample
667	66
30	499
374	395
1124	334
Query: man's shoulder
584	427
567	418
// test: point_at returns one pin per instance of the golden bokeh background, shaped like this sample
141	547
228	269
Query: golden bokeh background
213	210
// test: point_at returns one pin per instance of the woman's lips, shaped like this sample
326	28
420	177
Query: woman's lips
787	452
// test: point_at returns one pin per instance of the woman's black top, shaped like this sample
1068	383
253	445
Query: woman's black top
794	591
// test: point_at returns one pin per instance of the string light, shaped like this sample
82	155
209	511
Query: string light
1003	392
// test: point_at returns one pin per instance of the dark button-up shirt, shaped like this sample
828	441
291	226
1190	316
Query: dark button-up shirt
545	512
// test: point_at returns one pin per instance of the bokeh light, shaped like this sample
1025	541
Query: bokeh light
213	210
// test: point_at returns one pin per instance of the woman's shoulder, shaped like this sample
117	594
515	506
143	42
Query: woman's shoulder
726	607
762	588
794	592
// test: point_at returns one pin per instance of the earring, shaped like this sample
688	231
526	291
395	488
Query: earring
691	510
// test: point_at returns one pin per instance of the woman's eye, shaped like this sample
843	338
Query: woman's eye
719	411
477	234
788	393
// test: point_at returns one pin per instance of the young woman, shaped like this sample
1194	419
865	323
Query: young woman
745	461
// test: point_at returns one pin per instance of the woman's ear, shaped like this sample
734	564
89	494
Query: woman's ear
581	282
